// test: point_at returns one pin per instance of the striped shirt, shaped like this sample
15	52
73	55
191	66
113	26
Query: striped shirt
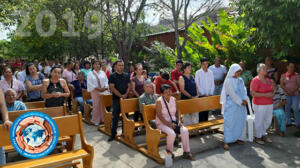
279	95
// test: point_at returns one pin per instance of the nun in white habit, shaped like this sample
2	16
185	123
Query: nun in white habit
234	101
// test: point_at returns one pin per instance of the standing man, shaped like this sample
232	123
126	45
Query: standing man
119	84
6	123
246	75
176	73
219	72
290	83
205	83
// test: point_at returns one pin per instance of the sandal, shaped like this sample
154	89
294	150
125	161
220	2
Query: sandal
188	155
240	142
259	141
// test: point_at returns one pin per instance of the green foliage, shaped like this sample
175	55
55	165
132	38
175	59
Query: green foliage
277	24
161	57
228	39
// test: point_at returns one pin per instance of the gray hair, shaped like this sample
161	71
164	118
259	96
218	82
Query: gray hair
10	90
259	67
148	81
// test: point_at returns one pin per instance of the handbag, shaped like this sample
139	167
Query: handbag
177	128
250	121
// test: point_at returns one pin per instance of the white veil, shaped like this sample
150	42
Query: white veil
233	69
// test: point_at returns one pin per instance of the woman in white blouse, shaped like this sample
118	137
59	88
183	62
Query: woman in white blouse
97	83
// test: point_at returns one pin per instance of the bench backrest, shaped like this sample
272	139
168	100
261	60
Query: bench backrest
106	100
199	104
149	112
51	111
129	105
86	95
67	126
34	105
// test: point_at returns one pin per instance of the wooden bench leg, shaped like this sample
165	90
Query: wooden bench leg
152	141
128	133
107	123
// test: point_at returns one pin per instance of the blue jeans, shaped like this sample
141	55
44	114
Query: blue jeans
2	156
80	102
292	102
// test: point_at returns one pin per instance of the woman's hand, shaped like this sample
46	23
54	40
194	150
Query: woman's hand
244	103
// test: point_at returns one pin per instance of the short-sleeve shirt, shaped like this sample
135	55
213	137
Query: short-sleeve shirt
120	81
291	82
219	72
17	106
139	85
16	85
69	75
78	87
175	75
279	95
38	81
258	86
145	99
158	82
85	72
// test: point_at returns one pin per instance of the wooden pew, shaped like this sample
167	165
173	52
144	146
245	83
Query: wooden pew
190	106
87	107
153	136
129	106
52	112
34	105
106	101
67	126
199	105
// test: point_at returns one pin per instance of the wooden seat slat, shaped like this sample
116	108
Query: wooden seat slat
205	124
50	161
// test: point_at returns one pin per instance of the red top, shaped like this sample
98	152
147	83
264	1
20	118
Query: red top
17	64
107	73
258	86
291	82
175	75
158	82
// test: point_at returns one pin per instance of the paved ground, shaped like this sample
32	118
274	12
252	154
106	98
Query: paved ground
207	150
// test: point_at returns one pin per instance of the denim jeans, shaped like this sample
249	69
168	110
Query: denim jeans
2	156
80	102
218	89
292	102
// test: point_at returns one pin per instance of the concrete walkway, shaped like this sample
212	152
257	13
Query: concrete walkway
207	150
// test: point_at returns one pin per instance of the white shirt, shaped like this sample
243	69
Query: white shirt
205	82
47	70
219	72
22	77
92	81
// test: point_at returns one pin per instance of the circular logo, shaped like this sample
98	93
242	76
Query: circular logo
34	135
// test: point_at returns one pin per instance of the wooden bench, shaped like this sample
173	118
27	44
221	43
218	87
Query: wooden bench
190	106
52	112
34	105
67	126
106	101
200	105
129	106
153	136
87	107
